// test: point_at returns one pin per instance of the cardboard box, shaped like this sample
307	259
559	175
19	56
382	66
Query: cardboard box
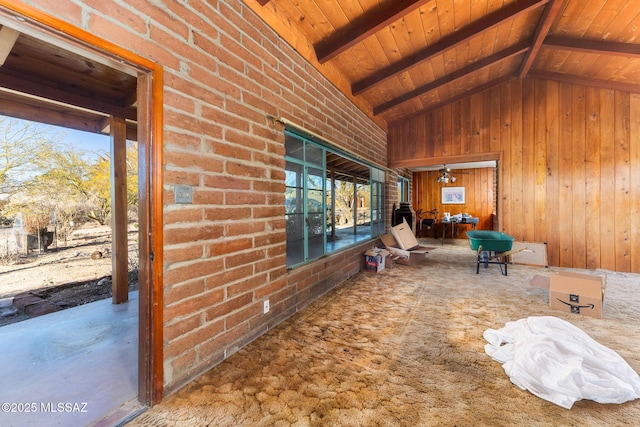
577	293
530	254
402	256
374	259
404	236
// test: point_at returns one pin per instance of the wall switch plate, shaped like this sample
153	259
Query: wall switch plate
183	193
266	307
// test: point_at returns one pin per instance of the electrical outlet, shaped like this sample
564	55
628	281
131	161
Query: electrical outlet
265	306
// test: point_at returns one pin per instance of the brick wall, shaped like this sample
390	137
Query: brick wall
225	71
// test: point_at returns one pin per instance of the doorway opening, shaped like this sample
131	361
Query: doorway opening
55	73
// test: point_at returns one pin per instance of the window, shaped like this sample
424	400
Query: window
403	190
331	200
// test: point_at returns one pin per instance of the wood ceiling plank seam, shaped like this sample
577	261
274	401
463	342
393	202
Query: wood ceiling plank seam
363	27
415	31
448	43
632	30
461	14
446	22
549	15
315	27
602	21
580	16
618	24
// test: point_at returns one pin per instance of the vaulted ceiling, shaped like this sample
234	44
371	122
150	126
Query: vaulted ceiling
399	58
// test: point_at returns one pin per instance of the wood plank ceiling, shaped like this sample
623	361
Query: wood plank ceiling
399	58
42	81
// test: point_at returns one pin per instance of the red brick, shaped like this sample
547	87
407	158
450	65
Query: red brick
225	214
184	308
226	277
192	270
235	260
237	229
196	337
179	254
227	182
183	213
249	283
244	198
172	330
228	246
244	315
189	234
185	290
227	306
242	169
205	196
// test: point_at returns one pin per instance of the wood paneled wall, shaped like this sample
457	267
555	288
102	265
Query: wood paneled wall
569	169
479	191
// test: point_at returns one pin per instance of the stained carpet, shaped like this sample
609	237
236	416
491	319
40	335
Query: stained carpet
404	347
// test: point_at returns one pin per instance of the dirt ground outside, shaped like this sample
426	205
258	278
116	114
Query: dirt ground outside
65	275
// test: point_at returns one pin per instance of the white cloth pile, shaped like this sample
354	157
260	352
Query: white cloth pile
560	363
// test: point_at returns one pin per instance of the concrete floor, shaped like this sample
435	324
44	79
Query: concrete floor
70	368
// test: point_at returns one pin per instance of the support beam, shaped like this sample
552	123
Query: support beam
585	81
41	90
548	16
488	85
598	47
119	220
8	37
364	26
473	30
463	72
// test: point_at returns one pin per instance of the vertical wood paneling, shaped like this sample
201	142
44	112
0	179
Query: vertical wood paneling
634	179
540	150
607	181
552	203
569	170
565	182
622	176
528	162
579	259
504	187
592	173
517	223
476	182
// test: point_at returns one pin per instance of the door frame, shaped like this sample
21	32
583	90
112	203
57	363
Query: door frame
150	124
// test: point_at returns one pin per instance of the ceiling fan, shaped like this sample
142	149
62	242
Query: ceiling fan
445	175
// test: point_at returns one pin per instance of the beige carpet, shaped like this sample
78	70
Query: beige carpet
404	347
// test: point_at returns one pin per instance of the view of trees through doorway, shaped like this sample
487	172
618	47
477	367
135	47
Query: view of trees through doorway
55	218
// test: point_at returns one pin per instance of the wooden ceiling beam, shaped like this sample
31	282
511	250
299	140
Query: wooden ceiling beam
546	20
43	91
629	50
586	81
263	2
363	27
488	85
463	72
8	37
490	21
28	110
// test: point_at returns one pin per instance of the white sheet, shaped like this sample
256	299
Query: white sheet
560	363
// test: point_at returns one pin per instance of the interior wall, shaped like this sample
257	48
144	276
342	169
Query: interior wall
569	173
479	195
226	75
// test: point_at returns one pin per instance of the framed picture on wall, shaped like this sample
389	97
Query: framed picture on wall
453	195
